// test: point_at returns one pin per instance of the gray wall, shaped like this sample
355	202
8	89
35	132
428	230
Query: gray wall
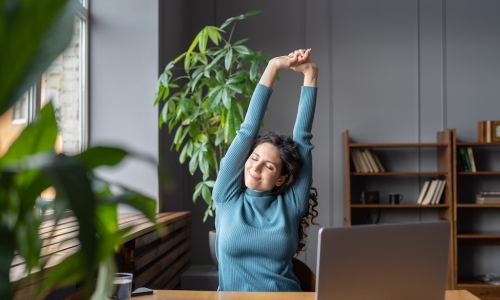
390	71
123	68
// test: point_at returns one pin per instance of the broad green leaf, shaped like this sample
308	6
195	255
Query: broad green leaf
70	178
32	35
102	156
39	136
138	201
105	277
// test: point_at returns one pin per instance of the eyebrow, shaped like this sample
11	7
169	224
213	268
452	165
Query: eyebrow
255	153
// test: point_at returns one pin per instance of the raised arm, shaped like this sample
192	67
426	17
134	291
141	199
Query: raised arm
302	131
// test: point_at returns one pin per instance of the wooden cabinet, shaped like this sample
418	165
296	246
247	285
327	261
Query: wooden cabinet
477	226
407	166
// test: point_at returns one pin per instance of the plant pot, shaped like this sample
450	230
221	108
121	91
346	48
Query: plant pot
211	243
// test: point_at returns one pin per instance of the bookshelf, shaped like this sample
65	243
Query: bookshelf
477	226
407	166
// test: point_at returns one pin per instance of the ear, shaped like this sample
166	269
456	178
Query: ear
281	180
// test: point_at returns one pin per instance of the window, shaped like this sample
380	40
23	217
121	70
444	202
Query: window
64	84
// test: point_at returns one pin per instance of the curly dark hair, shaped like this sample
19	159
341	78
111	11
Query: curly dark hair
291	164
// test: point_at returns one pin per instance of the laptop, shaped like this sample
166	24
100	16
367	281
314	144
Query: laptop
406	261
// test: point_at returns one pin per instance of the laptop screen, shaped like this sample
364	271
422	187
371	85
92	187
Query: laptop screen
383	262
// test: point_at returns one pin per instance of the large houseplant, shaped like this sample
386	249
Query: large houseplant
206	98
32	34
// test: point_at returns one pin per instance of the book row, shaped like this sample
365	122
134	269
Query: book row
431	192
366	161
488	198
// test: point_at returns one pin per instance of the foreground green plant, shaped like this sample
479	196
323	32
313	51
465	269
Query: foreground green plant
32	34
212	92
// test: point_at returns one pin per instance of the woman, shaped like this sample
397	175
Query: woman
257	225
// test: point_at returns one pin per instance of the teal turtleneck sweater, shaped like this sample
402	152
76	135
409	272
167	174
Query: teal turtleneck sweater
256	231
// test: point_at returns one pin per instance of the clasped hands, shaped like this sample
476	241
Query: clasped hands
297	60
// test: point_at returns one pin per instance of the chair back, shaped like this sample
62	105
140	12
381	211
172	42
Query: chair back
305	275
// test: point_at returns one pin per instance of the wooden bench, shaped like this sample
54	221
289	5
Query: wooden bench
156	262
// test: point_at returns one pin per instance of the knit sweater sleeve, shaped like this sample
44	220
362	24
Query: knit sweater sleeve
229	179
302	135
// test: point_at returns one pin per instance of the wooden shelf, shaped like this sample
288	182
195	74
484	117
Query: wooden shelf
473	205
401	174
479	173
481	236
472	234
399	206
398	145
436	156
477	144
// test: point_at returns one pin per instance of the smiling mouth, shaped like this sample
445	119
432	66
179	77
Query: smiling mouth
253	177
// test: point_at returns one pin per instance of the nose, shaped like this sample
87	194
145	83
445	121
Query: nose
257	167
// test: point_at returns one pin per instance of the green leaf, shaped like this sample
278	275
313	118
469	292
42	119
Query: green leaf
197	191
214	34
252	13
240	42
242	50
39	136
202	41
227	22
229	59
70	178
238	88
102	156
205	193
32	35
210	183
193	164
226	98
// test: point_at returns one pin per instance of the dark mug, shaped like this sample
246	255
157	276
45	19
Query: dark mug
395	198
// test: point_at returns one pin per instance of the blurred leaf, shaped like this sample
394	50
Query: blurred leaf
102	156
32	34
38	136
7	248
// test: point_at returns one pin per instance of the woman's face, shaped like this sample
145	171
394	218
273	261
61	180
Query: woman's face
263	168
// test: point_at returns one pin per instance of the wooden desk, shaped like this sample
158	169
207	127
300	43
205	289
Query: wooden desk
157	262
206	295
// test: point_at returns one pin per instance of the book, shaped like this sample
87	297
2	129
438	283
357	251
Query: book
355	161
377	160
423	191
436	191
439	192
487	200
430	192
359	157
471	159
367	161
465	159
371	160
